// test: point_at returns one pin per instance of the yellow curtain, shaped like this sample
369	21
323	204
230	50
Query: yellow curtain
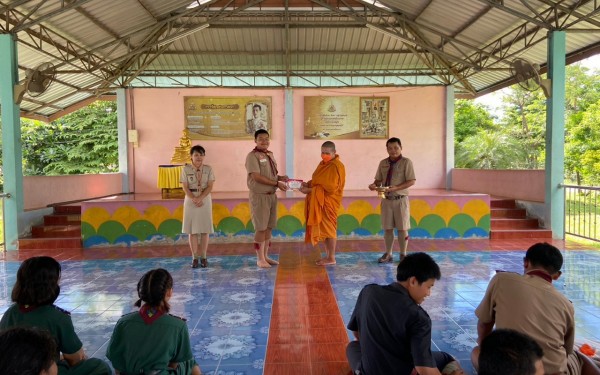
168	176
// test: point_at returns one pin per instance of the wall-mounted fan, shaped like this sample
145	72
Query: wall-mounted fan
528	77
36	81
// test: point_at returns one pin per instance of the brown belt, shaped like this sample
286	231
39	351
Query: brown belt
394	197
195	190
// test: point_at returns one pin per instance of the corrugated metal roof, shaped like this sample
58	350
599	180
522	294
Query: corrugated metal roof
99	45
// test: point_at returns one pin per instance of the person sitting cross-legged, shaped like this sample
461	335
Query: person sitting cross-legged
530	304
393	332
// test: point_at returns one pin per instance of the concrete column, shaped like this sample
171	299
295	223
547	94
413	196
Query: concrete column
289	133
122	139
11	141
449	135
555	136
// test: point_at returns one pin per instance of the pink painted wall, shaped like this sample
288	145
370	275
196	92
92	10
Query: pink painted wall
417	117
40	191
528	185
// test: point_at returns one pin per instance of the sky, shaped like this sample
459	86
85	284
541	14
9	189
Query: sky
494	100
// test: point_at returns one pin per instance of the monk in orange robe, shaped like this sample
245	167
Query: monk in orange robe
323	200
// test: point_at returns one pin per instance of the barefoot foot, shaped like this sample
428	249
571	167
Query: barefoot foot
263	264
272	262
325	262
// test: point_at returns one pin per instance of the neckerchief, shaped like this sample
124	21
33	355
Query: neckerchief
26	308
198	177
271	162
541	274
388	179
150	314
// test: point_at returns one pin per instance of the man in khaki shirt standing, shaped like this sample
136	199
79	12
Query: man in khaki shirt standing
263	182
395	174
531	305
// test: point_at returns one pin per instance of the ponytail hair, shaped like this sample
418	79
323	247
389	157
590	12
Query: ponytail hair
153	287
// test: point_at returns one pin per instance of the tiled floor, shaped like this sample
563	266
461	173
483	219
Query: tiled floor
291	319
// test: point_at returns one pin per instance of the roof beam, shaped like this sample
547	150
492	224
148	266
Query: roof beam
21	25
498	4
151	47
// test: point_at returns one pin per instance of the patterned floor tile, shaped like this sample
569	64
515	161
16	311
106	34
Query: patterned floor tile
230	306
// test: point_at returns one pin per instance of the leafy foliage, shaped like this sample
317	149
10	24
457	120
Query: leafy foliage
517	139
82	142
469	118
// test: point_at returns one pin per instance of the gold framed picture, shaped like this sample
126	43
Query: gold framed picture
374	117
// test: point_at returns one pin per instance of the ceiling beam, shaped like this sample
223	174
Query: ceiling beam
22	25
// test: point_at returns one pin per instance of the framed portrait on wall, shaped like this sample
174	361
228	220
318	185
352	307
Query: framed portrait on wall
374	117
257	116
226	117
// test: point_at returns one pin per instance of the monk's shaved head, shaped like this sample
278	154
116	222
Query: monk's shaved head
330	145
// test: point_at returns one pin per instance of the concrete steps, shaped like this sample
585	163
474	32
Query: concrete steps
61	230
509	221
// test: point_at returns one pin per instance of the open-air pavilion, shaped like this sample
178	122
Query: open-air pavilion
148	55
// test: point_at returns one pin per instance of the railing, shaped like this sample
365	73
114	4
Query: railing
2	196
582	211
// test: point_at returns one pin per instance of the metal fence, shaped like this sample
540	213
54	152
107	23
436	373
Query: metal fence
582	211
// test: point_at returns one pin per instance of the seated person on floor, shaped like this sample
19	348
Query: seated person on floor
530	304
27	351
508	352
152	341
33	295
393	332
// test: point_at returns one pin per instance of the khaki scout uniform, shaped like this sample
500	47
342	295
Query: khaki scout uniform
197	219
395	208
263	201
531	305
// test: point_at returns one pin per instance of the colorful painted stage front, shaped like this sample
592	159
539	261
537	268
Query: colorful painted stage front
147	219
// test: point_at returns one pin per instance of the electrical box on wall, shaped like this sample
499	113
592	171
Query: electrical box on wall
132	136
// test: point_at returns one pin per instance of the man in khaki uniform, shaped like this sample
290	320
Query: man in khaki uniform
531	305
395	174
263	182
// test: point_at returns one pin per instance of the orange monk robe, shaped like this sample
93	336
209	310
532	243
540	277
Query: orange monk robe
324	200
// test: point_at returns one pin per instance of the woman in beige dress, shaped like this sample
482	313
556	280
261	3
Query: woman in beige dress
197	180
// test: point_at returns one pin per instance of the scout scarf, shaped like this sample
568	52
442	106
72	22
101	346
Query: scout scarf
150	314
388	179
541	274
271	162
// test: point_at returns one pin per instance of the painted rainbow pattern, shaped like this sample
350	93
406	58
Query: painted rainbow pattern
131	224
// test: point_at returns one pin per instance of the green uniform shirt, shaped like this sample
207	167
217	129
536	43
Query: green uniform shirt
58	322
49	317
136	346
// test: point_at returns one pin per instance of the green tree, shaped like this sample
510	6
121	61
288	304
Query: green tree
489	150
582	95
525	122
84	141
584	146
469	118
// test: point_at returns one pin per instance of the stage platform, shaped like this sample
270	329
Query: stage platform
148	219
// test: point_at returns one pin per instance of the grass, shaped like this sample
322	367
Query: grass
583	217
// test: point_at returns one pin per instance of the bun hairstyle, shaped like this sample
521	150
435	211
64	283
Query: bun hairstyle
153	287
37	282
